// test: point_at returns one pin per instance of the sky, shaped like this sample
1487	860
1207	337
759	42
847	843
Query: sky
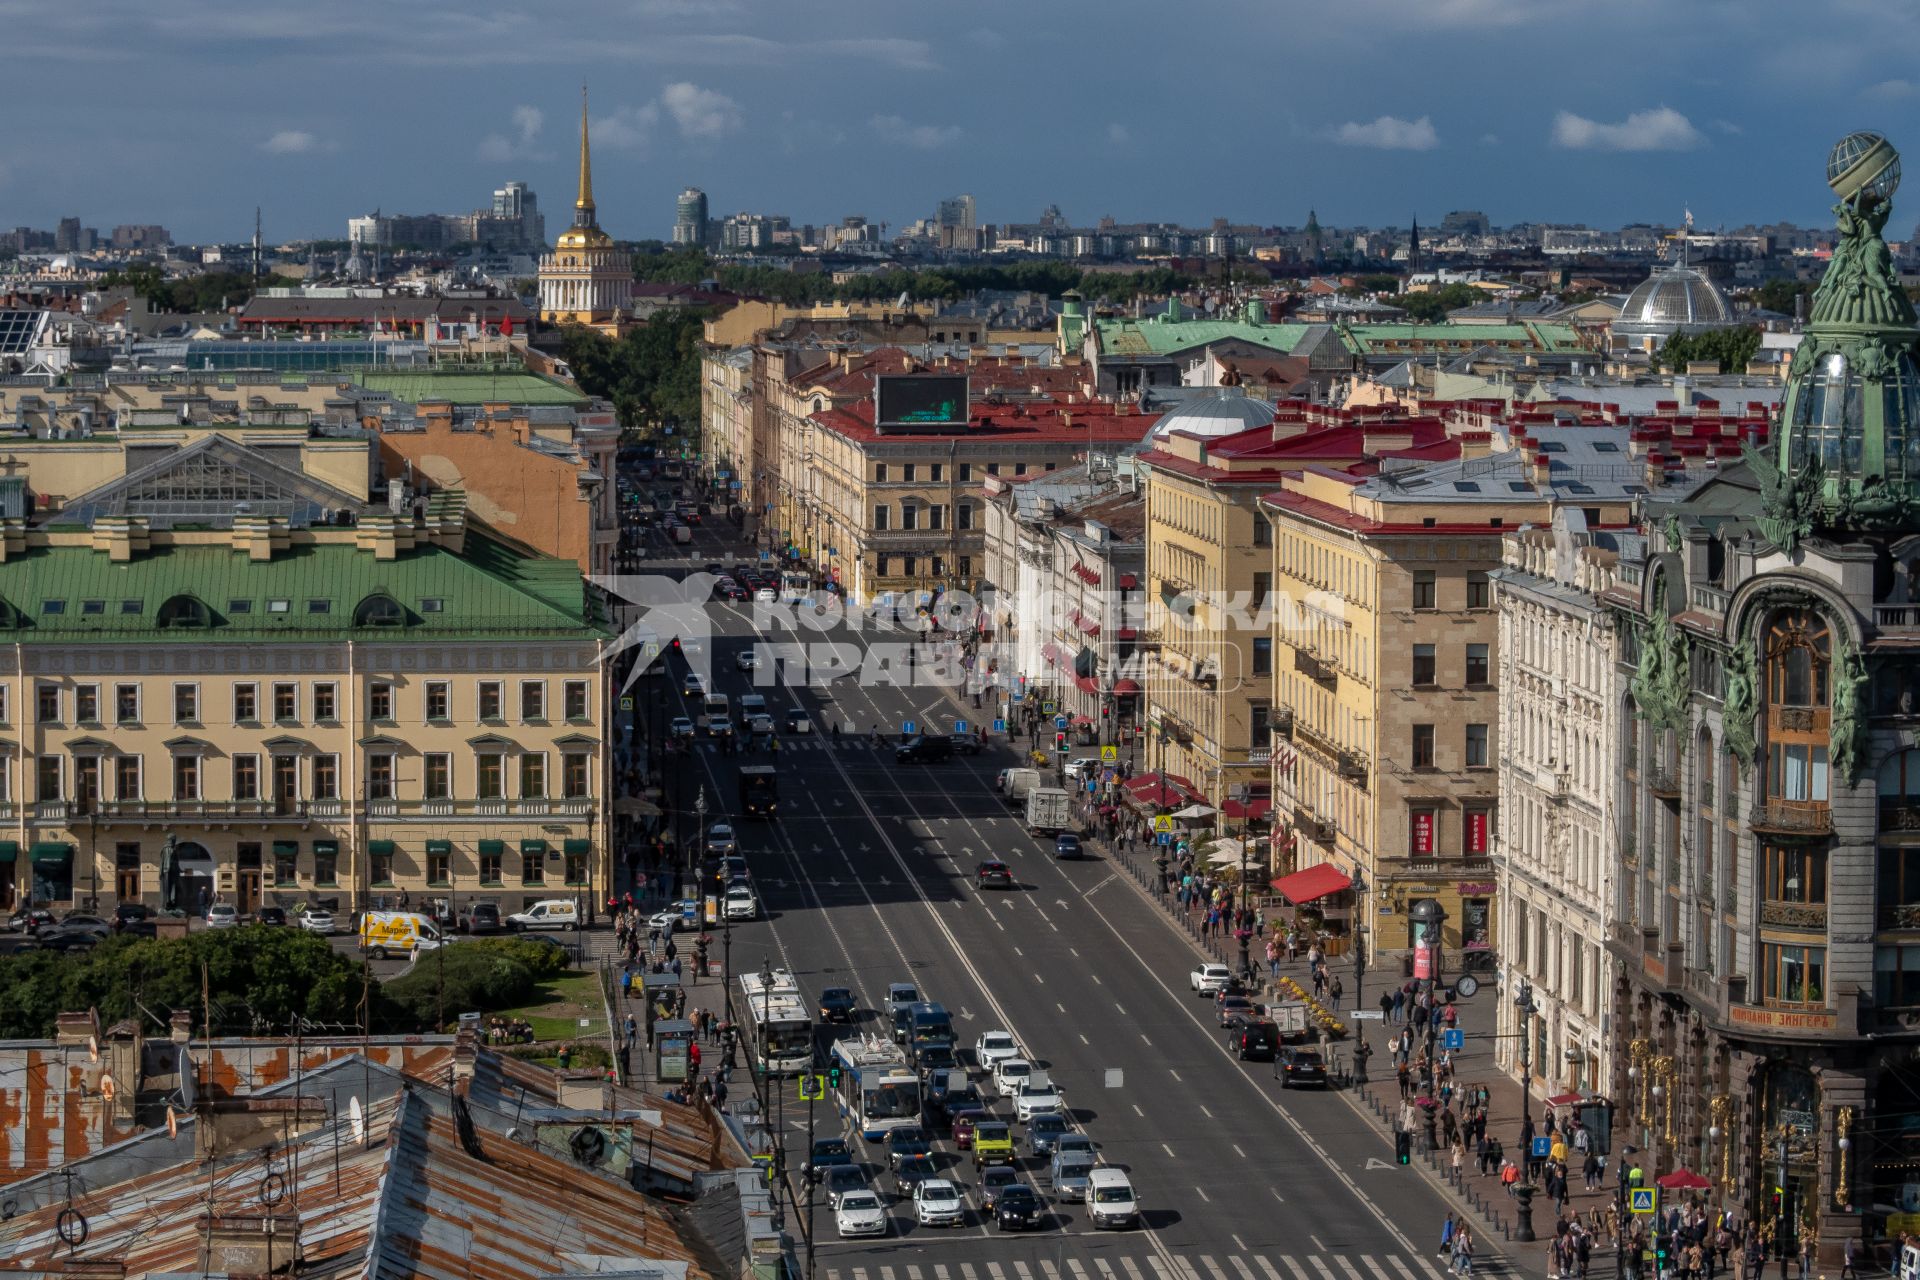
1371	112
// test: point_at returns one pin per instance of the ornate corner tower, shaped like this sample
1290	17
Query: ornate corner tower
587	279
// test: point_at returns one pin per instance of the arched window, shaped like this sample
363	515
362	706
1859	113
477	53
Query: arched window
379	611
184	611
1799	646
1827	418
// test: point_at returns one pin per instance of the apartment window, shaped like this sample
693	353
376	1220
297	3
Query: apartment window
533	865
907	472
286	703
126	704
86	704
286	864
1262	656
1479	591
1019	468
379	701
439	776
380	865
1425	589
490	779
963	471
1260	720
575	774
126	778
49	779
325	702
939	567
533	776
3	704
490	700
1479	667
936	517
1793	974
1476	746
1425	667
909	516
993	468
86	782
326	777
380	776
1262	588
439	700
933	472
879	473
246	777
325	861
533	700
966	566
186	777
285	772
1794	873
906	566
883	566
439	865
186	704
576	699
46	703
1262	531
246	703
1423	746
963	515
489	863
880	511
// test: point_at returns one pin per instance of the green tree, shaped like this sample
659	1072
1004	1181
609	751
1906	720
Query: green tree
1729	349
652	374
1782	295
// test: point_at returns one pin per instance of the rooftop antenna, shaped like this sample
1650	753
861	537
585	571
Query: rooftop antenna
257	272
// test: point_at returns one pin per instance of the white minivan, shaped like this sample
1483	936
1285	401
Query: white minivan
1110	1201
554	913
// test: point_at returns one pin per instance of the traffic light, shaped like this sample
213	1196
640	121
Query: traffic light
1060	740
833	1077
1403	1146
676	644
1106	713
1660	1246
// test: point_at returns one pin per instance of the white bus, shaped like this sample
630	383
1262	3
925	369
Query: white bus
878	1089
779	1029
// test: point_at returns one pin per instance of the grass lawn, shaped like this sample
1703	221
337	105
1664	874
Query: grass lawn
557	1006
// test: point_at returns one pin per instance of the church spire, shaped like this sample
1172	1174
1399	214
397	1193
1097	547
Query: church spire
583	203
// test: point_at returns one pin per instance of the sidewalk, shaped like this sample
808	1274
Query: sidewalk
1479	1196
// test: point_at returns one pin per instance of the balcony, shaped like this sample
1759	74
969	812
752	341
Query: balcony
107	812
1282	721
1781	818
1896	617
1904	916
1310	665
1664	782
1312	825
1710	600
1811	916
1352	767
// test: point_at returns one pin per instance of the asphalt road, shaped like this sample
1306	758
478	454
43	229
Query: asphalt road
866	879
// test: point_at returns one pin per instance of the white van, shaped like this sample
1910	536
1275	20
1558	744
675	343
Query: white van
554	913
1110	1201
717	707
751	705
385	933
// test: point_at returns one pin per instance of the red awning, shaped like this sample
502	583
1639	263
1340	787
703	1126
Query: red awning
1128	582
1088	625
1683	1179
1125	688
1314	883
1087	684
1564	1099
1258	807
1146	787
1051	653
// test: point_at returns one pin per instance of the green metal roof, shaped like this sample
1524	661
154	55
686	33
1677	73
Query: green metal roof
469	388
1130	337
306	593
1542	337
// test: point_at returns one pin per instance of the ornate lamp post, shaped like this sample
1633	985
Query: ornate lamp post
1523	1192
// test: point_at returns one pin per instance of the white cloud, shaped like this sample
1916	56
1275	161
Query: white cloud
701	113
1658	129
520	144
924	137
1389	133
1119	135
528	121
290	142
1894	90
1728	127
628	128
1489	139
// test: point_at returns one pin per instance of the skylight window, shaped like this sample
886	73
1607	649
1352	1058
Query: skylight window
279	606
132	606
53	606
319	606
239	606
1605	446
93	607
1465	486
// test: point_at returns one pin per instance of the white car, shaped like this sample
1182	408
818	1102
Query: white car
766	595
1037	1094
222	915
1009	1074
747	660
1209	979
993	1048
937	1203
1083	768
316	919
681	728
741	904
693	686
664	920
760	726
860	1213
720	839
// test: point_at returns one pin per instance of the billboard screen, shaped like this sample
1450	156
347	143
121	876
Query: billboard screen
920	400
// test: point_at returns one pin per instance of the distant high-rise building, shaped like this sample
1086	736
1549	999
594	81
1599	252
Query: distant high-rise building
141	236
690	217
513	223
954	226
66	237
517	219
1465	224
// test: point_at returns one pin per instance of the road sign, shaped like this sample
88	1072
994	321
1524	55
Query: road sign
1367	1015
1375	1162
686	911
959	726
1643	1199
812	1087
1163	823
1542	1147
1061	722
1019	695
766	555
1047	707
1453	1038
626	704
1092	786
907	728
1109	754
999	726
1165	837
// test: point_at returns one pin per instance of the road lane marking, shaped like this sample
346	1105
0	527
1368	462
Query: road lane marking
1213	1267
1246	1272
1202	1193
1316	1241
1173	1073
1276	1194
1048	1270
1122	1008
1169	1150
1404	1269
1037	978
1321	1266
995	1270
1352	1272
1131	1267
1084	1040
1300	1272
1137	1111
1076	952
1062	1008
1267	1267
1203	1111
1237	1151
1143	1037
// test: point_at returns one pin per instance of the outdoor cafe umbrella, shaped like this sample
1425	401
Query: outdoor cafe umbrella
1194	811
1226	852
635	807
1683	1179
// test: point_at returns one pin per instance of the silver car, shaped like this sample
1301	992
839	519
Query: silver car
1070	1173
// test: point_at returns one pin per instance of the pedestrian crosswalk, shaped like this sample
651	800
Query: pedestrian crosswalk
853	742
1176	1266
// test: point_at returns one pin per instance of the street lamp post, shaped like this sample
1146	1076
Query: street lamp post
1428	916
1782	1226
698	842
1523	1192
1620	1214
1358	932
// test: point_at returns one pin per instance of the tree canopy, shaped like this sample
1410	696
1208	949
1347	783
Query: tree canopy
652	374
1731	349
934	284
1432	306
188	294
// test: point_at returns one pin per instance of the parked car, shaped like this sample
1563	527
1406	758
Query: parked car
1209	979
127	912
223	915
1255	1041
316	919
29	920
553	913
481	918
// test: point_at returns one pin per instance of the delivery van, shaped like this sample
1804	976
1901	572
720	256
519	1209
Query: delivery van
553	913
387	933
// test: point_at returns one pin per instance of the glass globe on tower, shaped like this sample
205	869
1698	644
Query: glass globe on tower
1863	168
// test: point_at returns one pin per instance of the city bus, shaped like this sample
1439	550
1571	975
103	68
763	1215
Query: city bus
759	790
779	1031
879	1091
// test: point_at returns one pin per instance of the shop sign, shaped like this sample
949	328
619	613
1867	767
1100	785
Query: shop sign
1781	1019
1477	831
1476	888
1423	833
1423	961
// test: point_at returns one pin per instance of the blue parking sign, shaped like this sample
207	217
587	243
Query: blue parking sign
1060	722
1019	695
1542	1146
1453	1038
999	726
959	726
1165	837
687	907
907	728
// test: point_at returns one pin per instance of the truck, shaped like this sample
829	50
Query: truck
385	933
1049	810
759	790
1290	1017
1018	783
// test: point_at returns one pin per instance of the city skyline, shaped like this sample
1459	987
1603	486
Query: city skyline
780	109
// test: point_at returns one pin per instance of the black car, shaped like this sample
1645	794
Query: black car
994	874
923	750
1233	1007
929	1058
127	912
964	744
836	1004
1018	1208
1255	1041
902	1024
908	1145
59	937
1299	1067
270	915
481	917
827	1153
30	920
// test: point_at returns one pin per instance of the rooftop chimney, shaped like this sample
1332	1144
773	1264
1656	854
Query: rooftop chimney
180	1026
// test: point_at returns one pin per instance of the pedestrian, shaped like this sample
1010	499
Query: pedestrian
1334	993
1463	1252
1848	1252
1591	1169
1399	1004
693	1058
1386	1006
1446	1236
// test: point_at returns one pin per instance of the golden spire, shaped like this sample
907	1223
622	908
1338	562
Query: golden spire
583	203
